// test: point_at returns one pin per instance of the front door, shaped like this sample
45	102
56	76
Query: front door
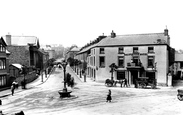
134	76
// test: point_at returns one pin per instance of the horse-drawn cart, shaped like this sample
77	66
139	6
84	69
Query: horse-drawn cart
143	82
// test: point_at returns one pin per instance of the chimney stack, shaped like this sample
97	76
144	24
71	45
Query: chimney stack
113	35
8	39
166	31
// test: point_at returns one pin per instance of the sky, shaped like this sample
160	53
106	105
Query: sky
77	22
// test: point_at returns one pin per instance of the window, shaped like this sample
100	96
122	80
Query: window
102	61
120	75
150	49
150	75
2	63
94	61
2	80
135	49
101	50
2	48
150	61
136	59
120	50
121	61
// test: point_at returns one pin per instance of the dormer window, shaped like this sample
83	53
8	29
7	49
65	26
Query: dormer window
150	49
135	49
102	51
120	50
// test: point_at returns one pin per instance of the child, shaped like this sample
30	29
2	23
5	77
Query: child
109	96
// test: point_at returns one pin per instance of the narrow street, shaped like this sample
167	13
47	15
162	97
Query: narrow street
89	98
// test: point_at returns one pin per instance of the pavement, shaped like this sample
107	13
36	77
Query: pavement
40	80
90	99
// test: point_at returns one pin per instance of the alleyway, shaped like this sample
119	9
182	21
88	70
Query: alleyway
90	99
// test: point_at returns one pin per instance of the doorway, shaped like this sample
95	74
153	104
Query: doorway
134	76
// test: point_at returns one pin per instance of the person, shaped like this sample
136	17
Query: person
13	86
12	89
125	82
109	98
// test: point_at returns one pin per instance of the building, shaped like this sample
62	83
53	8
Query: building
4	64
24	50
136	55
51	52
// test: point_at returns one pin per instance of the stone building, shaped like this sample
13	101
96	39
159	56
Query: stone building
4	64
24	50
136	55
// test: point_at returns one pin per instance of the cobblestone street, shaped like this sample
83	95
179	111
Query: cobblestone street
89	98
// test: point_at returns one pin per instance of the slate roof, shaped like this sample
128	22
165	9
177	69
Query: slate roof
23	40
134	39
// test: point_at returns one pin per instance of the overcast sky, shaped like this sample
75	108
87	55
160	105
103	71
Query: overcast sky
77	22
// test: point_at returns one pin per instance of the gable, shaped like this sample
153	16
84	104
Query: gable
3	42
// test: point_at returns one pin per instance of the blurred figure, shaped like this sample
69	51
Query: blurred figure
109	98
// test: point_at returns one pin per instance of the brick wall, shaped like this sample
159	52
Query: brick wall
19	54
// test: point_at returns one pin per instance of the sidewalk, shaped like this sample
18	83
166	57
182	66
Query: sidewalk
88	79
36	82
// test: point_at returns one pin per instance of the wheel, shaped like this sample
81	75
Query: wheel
180	97
142	85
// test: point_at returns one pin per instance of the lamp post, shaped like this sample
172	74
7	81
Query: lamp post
64	64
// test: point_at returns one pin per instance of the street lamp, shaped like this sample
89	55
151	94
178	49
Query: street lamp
64	64
64	93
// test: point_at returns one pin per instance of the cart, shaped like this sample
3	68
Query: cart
180	94
143	82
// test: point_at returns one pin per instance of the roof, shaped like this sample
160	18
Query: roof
87	48
3	41
134	39
75	49
23	40
178	56
19	66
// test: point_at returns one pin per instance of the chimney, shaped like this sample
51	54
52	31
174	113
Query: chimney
166	32
8	39
113	35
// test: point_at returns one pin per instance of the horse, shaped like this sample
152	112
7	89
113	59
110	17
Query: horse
109	82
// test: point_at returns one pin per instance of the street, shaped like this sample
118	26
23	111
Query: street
89	98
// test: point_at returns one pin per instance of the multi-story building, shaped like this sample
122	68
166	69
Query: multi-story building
136	55
51	52
24	50
4	64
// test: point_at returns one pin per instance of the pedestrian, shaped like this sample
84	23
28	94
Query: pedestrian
109	98
12	89
125	82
